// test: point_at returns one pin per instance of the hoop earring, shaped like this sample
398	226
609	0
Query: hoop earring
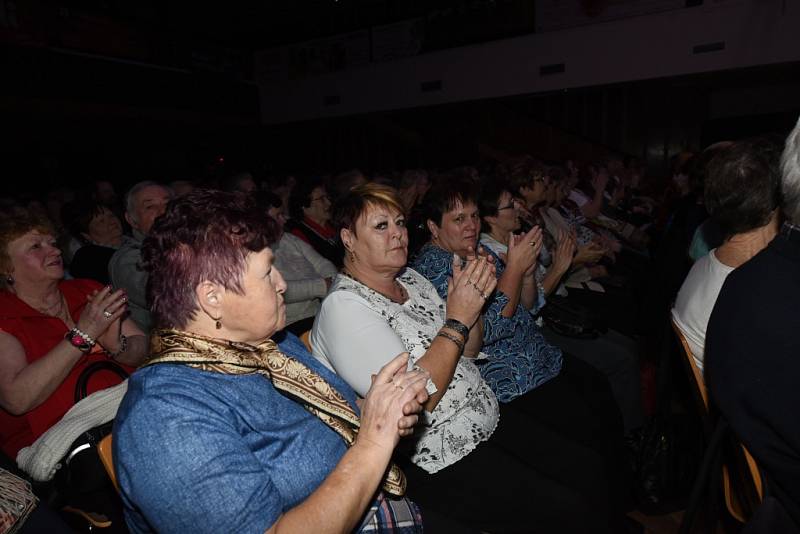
352	255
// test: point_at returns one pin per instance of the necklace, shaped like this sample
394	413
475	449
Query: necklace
398	285
54	310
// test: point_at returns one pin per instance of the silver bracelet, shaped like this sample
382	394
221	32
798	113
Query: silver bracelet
123	346
454	339
457	326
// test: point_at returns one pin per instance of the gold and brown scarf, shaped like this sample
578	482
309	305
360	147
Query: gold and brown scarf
288	375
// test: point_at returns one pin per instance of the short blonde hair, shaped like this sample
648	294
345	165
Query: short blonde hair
359	199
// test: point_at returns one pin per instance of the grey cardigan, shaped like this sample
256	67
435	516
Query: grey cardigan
304	270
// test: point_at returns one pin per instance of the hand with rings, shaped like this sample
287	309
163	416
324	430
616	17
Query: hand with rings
390	408
478	289
469	288
523	250
102	315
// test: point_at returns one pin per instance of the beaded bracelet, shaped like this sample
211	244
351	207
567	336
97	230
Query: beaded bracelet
454	339
123	346
80	340
458	327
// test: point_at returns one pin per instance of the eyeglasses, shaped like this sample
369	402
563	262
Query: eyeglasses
509	207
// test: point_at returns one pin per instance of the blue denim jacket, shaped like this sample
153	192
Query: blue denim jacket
197	451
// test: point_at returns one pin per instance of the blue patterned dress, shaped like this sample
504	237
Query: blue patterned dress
519	358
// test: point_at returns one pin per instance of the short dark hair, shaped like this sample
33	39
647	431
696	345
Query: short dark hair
234	180
696	167
743	185
204	235
301	196
267	200
345	181
446	192
521	172
78	214
490	195
556	173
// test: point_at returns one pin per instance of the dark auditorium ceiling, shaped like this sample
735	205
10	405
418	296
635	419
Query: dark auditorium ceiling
254	24
221	36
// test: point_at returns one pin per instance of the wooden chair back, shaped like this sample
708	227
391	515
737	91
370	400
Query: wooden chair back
305	337
732	496
104	450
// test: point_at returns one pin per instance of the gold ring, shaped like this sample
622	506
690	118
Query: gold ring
532	243
483	295
107	314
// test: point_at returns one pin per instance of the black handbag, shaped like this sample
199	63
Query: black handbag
81	483
570	319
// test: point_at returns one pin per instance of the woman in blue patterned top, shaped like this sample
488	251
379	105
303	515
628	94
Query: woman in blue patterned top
523	369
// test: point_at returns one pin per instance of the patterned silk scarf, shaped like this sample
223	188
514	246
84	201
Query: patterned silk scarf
289	376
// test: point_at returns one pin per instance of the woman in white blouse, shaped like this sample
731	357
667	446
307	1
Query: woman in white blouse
462	464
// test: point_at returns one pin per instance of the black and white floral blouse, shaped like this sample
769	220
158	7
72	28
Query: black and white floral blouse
358	330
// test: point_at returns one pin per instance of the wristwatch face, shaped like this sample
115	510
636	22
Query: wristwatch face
78	341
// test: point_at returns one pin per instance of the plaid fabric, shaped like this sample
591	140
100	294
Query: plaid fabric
392	516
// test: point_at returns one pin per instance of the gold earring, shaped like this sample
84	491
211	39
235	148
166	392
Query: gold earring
219	323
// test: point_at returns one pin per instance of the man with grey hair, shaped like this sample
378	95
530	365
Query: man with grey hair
143	203
753	357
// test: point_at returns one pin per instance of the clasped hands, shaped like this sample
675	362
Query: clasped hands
101	318
391	407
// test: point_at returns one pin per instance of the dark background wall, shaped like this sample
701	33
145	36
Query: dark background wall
167	90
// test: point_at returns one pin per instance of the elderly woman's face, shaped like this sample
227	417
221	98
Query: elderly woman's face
35	258
459	230
319	206
105	228
259	312
380	241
